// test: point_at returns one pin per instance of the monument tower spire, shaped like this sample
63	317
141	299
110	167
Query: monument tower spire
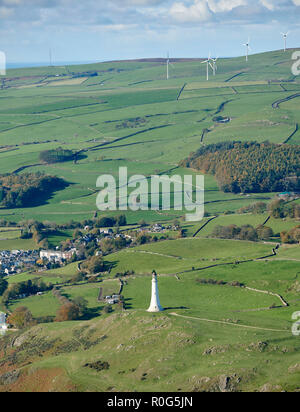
155	305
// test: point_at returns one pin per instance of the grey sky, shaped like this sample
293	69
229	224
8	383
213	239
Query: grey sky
79	30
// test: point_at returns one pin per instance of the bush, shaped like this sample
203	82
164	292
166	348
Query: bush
108	309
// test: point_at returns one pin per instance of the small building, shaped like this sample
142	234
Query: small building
112	300
106	231
285	195
157	228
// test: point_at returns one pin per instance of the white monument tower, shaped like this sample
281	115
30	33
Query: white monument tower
3	326
155	304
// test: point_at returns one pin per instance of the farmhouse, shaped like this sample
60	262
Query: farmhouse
112	300
106	231
157	228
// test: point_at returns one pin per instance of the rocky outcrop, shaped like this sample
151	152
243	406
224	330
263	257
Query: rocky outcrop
222	383
10	377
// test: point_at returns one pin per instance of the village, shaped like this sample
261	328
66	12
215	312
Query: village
16	261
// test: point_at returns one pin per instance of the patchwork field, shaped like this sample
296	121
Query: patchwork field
130	115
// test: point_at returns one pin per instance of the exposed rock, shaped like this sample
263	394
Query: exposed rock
295	287
224	383
20	340
221	383
268	387
257	347
9	377
294	368
98	366
215	350
120	346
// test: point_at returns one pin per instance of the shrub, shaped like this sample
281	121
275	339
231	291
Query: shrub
68	311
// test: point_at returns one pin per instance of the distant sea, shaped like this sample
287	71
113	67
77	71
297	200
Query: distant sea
40	64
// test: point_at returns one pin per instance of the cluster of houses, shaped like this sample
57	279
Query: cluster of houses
56	256
112	300
158	228
289	195
104	233
14	261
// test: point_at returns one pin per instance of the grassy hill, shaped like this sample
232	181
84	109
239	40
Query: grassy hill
226	326
207	332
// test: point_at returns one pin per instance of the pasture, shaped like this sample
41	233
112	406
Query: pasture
130	115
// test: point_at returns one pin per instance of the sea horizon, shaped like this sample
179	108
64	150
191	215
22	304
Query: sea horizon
22	65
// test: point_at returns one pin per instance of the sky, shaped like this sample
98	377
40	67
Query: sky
103	30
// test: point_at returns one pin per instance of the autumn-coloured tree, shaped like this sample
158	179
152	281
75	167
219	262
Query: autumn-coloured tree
21	318
293	236
94	265
68	311
249	167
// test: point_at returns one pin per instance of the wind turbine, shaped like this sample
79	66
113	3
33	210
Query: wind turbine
50	57
247	45
208	63
285	35
214	65
168	65
168	62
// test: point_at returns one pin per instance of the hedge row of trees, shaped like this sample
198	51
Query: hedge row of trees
28	189
246	232
249	167
278	209
292	236
24	288
219	282
256	208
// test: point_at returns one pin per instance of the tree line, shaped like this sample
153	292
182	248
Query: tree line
23	288
28	189
249	167
246	232
292	236
277	208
